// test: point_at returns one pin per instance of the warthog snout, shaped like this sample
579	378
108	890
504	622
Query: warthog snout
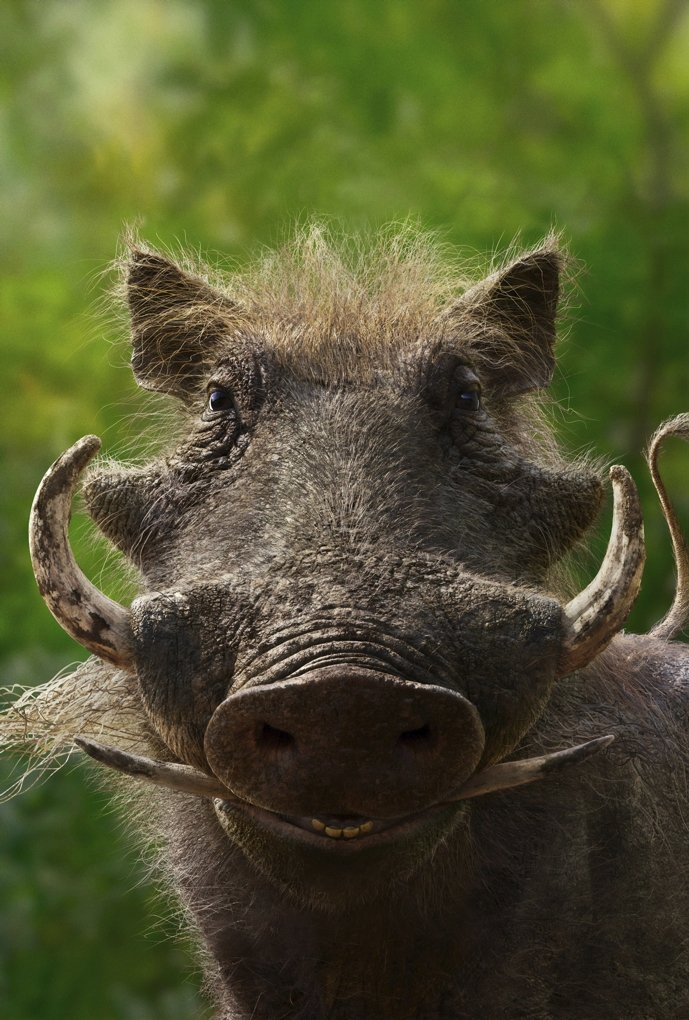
345	741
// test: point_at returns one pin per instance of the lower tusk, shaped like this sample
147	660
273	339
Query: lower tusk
180	778
185	779
517	773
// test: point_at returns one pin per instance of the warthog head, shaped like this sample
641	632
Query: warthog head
349	615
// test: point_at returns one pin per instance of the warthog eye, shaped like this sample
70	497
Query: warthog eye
469	399
220	399
452	388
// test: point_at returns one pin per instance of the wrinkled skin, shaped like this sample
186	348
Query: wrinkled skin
330	538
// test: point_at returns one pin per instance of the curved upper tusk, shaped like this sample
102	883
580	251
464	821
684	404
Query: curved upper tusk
597	613
88	615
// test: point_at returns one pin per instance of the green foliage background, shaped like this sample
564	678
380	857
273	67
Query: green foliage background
217	123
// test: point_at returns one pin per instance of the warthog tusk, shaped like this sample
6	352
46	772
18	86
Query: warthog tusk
516	773
185	779
181	778
89	616
597	613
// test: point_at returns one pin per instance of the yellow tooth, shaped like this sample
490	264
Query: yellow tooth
335	833
318	825
366	826
351	831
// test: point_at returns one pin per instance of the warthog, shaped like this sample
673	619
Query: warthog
354	650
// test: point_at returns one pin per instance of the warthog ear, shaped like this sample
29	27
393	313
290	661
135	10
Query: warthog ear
508	321
178	322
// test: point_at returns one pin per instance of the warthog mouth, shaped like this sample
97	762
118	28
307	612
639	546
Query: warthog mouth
331	833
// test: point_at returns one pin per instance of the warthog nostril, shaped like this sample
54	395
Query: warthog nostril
420	739
270	738
344	743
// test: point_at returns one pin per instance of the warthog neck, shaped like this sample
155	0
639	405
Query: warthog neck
393	955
